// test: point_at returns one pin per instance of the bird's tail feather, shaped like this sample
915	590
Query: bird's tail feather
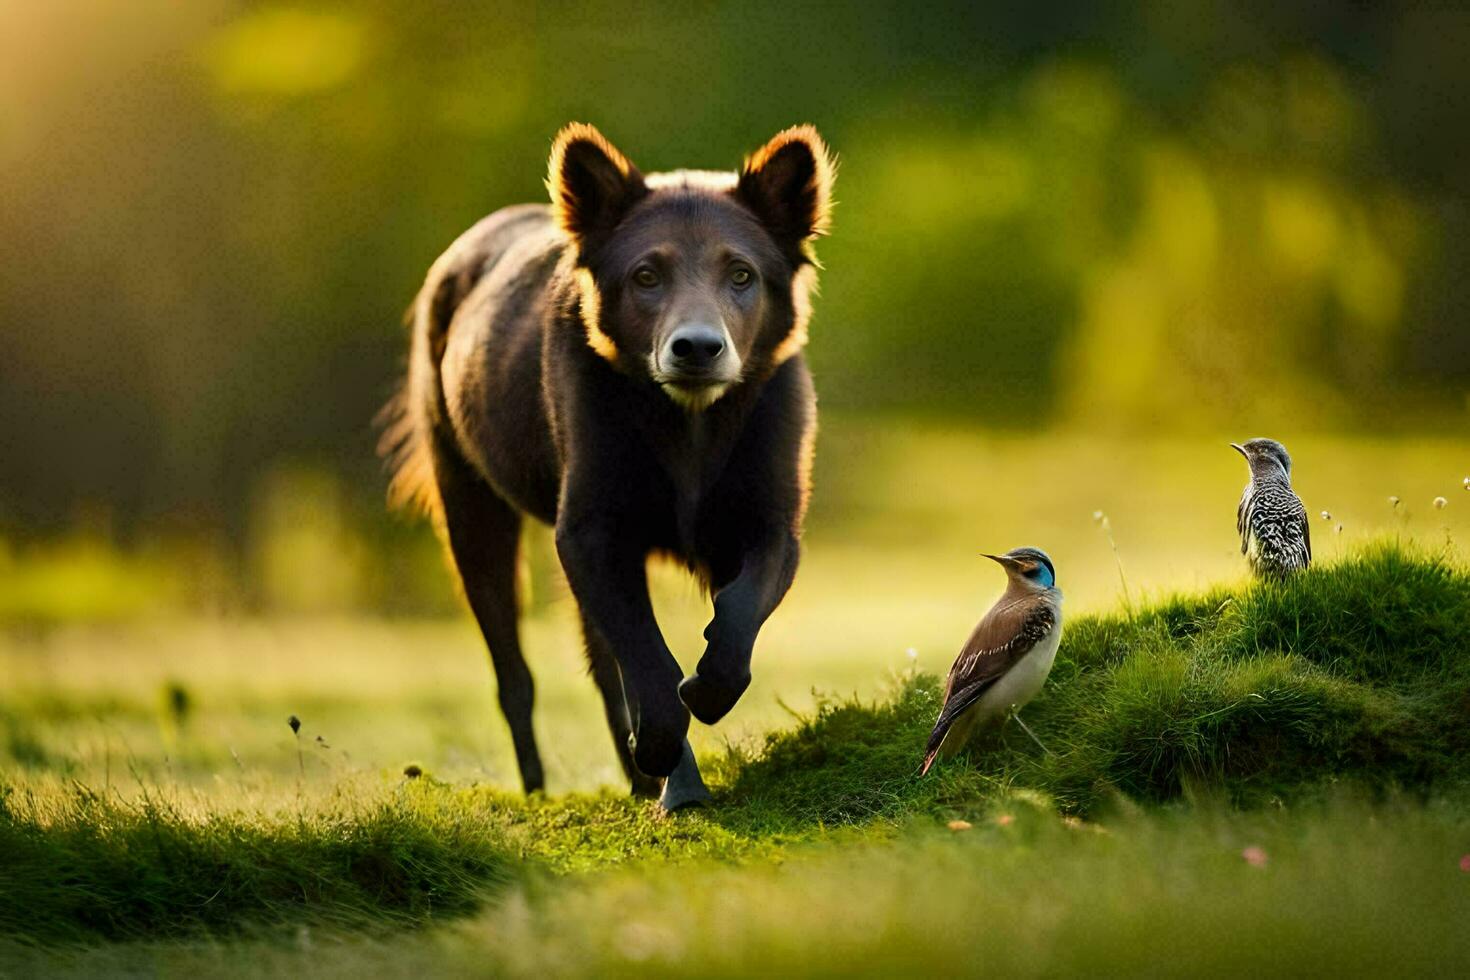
956	711
936	742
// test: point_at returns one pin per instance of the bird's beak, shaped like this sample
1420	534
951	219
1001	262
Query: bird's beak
1001	560
1239	448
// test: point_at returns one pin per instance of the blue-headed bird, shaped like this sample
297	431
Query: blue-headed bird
1275	535
1006	660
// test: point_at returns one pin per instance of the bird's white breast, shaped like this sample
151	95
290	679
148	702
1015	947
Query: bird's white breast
1023	681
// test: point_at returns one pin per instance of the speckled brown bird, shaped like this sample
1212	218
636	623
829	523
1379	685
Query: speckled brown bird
1007	658
1275	535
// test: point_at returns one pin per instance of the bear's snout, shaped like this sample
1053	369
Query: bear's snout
694	351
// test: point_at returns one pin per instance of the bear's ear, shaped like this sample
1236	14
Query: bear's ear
788	184
592	185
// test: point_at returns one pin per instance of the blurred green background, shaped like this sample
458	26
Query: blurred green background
1108	237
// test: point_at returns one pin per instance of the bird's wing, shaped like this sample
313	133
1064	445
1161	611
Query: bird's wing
1003	637
1242	522
1306	530
1299	541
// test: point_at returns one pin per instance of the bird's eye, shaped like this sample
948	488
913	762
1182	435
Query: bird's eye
646	277
741	278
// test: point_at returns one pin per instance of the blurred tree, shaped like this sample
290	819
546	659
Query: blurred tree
1130	215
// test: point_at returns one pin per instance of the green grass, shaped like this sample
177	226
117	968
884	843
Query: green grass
1339	887
82	867
1329	717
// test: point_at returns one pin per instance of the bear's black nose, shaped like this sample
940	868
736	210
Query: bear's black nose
694	348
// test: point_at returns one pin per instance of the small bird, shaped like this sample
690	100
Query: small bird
1275	535
1006	660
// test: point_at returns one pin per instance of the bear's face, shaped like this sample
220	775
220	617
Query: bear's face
694	281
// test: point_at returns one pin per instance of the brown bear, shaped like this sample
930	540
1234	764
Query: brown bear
625	365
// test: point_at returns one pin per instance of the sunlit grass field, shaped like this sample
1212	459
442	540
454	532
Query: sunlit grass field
890	581
1235	773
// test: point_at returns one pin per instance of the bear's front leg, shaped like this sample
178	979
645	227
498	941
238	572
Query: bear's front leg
607	572
741	608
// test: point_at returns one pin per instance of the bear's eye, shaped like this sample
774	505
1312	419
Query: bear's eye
646	276
741	278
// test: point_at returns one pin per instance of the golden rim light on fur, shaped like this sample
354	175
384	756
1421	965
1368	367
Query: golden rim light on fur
591	308
824	173
570	134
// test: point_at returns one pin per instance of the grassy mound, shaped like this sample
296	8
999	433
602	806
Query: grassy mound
1358	672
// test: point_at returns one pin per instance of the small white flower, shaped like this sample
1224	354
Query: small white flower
1467	483
1099	516
1393	501
912	653
1326	516
1337	530
1440	503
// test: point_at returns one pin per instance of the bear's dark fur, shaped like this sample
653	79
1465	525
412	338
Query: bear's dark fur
624	364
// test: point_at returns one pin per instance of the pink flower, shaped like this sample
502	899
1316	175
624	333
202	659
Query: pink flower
1254	856
1004	820
1465	863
